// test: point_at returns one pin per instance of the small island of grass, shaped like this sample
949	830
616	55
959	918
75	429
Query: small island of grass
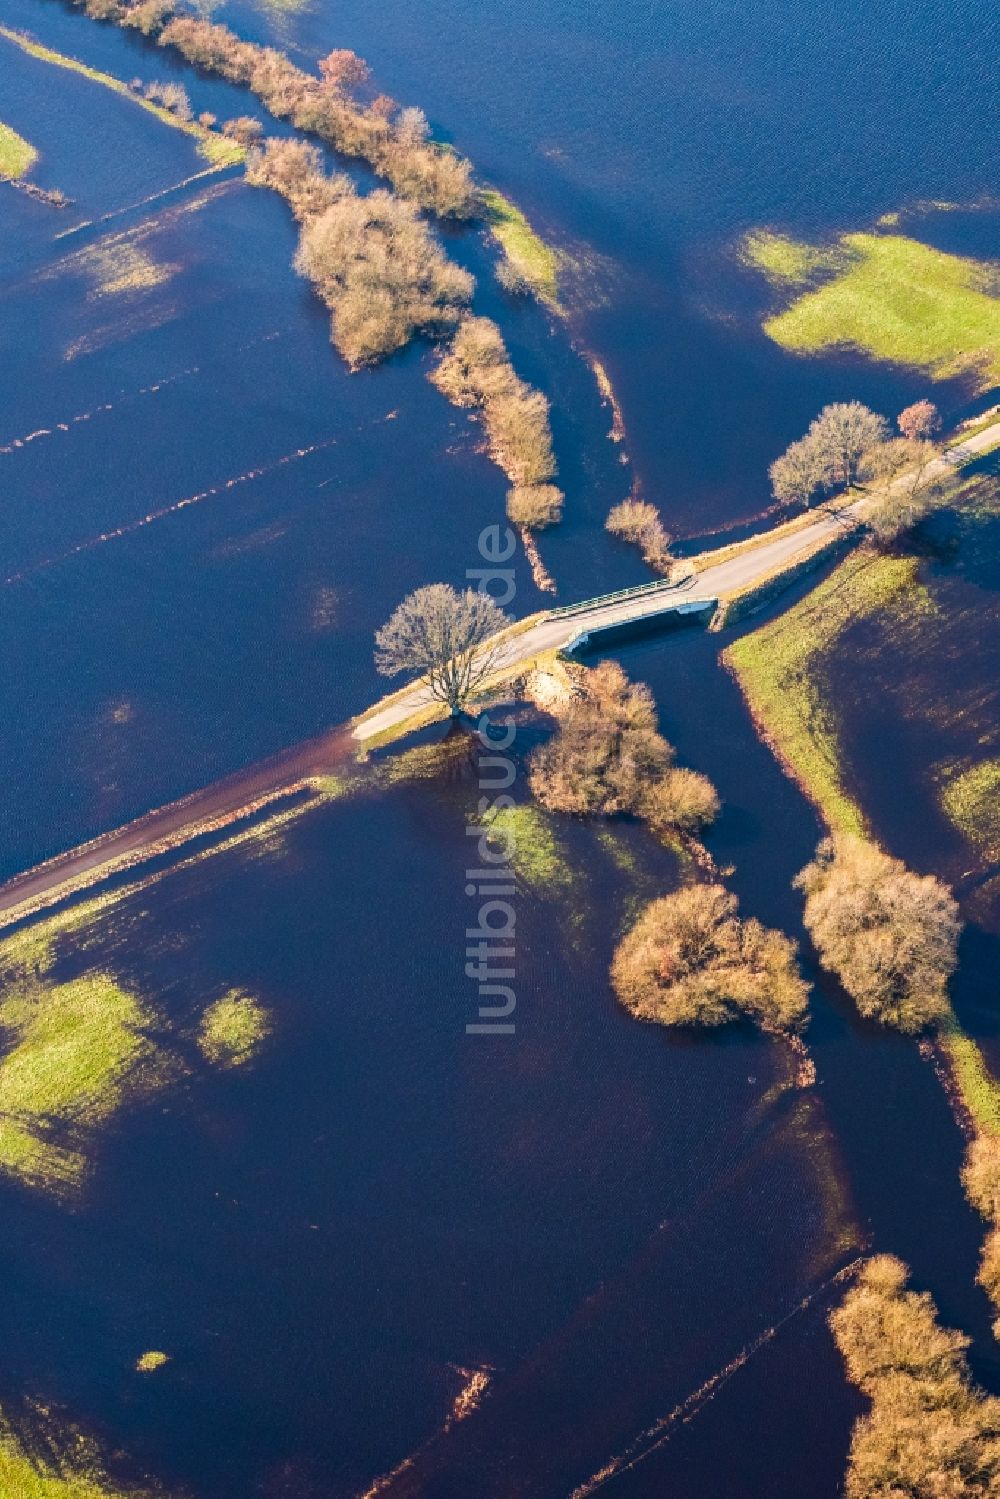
17	155
528	263
888	296
233	1029
149	1362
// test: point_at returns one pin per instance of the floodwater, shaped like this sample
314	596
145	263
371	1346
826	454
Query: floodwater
630	1235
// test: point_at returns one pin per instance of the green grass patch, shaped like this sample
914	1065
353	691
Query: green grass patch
149	1362
536	855
49	1462
233	1029
978	1090
789	262
73	1052
17	155
776	667
971	800
533	261
212	146
894	299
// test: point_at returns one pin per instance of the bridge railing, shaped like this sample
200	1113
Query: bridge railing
641	590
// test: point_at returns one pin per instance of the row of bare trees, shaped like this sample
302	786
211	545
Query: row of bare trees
847	445
395	141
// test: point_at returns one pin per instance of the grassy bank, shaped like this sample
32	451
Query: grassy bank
776	667
212	146
779	669
531	260
888	296
17	155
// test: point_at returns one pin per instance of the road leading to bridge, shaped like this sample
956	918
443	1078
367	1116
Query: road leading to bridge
729	571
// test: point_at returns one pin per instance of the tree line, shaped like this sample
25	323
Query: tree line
372	258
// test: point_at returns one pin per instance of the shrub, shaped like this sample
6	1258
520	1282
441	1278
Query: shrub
890	935
981	1175
149	17
172	96
476	372
930	1433
989	1266
517	424
104	10
607	751
342	69
682	800
534	506
638	522
689	960
294	169
375	264
434	177
244	129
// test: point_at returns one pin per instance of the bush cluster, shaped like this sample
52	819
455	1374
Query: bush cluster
393	141
476	372
981	1179
690	960
373	259
638	522
930	1433
608	757
891	936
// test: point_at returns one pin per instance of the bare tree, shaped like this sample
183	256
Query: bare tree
890	935
802	471
920	421
690	960
343	68
446	636
844	434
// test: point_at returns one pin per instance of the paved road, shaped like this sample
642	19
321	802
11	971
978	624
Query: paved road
731	574
226	801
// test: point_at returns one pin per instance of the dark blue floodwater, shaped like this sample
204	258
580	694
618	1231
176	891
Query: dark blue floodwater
600	1216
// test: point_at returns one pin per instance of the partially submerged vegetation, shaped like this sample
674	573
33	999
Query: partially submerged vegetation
76	1050
971	799
531	846
930	1432
371	259
233	1029
888	296
396	142
691	961
151	1360
475	372
212	146
72	1053
17	155
778	667
608	758
640	523
528	263
39	1459
891	936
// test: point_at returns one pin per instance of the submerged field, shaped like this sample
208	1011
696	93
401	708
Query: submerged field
274	1222
888	296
